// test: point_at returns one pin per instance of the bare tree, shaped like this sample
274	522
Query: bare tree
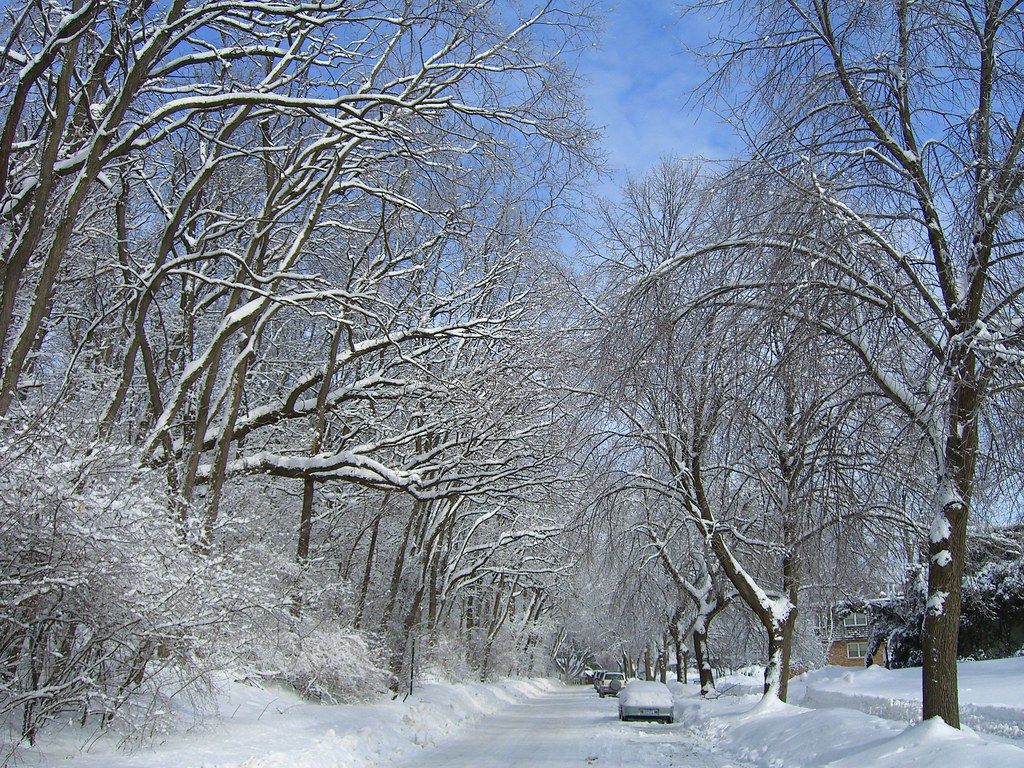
294	259
742	421
698	579
902	123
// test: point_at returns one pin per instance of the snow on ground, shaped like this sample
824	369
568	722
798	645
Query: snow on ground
796	737
274	728
541	724
570	728
991	693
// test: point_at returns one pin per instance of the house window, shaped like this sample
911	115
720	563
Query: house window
855	619
856	650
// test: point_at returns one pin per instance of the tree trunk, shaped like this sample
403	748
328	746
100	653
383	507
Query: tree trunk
222	450
791	585
940	697
499	614
305	522
21	255
398	654
396	571
677	645
319	430
700	658
663	660
947	545
769	612
774	673
364	586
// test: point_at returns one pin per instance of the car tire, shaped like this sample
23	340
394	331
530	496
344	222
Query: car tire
669	720
600	694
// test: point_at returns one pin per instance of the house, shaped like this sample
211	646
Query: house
847	634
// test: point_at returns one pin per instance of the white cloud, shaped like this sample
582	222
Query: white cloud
640	80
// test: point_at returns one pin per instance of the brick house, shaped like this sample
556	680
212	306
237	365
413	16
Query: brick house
848	636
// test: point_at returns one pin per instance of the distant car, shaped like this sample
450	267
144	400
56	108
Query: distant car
598	677
611	684
642	700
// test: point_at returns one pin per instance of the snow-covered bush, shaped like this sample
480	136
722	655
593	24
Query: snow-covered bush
445	657
992	611
110	610
327	664
100	599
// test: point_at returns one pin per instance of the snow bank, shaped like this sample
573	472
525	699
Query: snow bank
853	719
268	728
842	738
991	693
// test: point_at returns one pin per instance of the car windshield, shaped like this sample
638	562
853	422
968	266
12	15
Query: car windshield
613	676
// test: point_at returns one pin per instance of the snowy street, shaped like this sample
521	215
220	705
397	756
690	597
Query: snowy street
542	724
567	727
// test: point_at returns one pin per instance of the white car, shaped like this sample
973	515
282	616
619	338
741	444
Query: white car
610	684
645	700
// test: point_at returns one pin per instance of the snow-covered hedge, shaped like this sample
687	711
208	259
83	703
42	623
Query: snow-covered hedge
109	610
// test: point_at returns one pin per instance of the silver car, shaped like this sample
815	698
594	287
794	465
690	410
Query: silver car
644	700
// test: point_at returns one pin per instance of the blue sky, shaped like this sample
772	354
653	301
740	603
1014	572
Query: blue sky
640	77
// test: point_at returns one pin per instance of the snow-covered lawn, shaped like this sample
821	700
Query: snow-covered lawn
991	693
842	738
868	718
273	728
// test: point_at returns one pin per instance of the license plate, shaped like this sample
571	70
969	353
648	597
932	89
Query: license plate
648	711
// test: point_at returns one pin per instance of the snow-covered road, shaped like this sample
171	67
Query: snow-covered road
525	724
567	727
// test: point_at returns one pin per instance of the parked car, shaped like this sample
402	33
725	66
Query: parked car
643	700
598	677
611	684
